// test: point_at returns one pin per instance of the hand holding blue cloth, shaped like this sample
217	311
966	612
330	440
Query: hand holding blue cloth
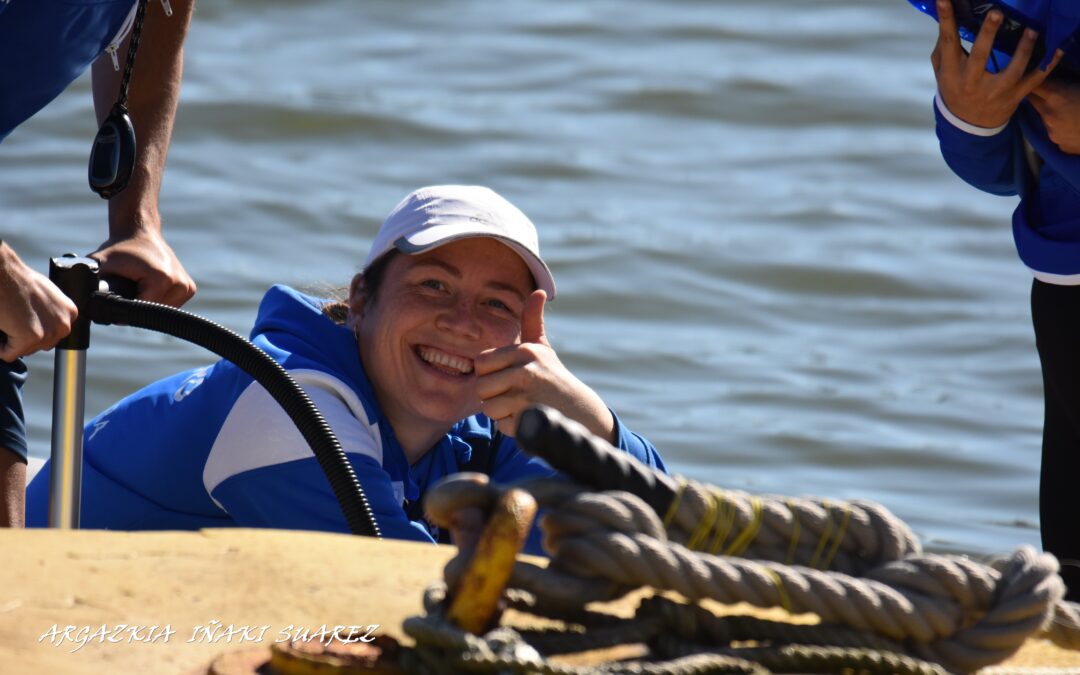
1057	21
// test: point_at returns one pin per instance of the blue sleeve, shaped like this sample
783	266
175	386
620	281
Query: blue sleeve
637	446
297	496
989	163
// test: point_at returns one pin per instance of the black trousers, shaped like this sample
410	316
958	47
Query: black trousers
1055	312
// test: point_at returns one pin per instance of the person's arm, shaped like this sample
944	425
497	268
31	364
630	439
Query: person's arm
511	379
983	158
12	489
34	313
975	107
637	446
1058	103
136	248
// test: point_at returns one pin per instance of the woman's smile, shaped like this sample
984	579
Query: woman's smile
444	362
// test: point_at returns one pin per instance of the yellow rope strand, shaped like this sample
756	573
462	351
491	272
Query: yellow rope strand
824	535
701	533
794	534
839	537
785	601
674	508
725	520
742	542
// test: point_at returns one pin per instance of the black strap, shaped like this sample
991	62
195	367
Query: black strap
129	64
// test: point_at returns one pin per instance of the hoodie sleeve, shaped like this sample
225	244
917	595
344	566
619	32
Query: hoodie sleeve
983	158
262	472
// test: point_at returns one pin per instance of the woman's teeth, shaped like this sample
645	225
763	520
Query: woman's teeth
448	363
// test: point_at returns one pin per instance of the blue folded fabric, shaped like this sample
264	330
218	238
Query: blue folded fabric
1057	22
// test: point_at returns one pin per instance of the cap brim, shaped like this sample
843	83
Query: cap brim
440	235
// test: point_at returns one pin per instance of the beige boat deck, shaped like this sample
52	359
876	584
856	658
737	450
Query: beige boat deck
199	584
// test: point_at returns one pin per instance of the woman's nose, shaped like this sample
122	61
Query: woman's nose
460	318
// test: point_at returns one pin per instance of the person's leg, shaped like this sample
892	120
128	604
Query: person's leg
12	489
12	444
1055	311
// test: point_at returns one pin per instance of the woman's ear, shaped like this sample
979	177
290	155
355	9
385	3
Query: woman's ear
357	299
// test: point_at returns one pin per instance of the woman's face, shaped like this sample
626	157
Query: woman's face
431	316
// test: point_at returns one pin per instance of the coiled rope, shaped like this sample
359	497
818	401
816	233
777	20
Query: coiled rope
853	564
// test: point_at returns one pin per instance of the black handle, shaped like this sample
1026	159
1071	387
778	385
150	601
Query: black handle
77	277
572	449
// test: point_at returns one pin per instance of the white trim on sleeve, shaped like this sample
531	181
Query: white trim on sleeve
961	124
279	441
1057	279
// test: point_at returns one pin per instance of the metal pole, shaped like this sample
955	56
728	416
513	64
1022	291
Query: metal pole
77	277
65	467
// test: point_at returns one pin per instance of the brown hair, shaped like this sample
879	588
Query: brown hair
337	309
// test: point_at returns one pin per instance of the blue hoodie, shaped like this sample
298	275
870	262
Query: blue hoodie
1046	222
210	448
46	44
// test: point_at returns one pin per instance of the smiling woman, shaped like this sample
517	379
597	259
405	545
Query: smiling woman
438	348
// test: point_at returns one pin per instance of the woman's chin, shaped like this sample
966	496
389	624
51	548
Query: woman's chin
450	413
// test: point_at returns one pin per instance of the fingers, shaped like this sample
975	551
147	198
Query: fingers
514	355
532	333
147	260
507	425
1037	77
505	407
947	52
1041	105
532	318
984	44
48	320
1022	56
34	313
1048	90
167	283
502	390
505	392
166	290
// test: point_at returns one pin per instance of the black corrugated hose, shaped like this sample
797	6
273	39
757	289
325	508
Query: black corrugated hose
109	308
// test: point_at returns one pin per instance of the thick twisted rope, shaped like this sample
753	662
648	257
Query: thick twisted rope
849	537
943	608
947	609
683	640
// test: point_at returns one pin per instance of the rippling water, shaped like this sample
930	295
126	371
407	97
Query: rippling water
764	264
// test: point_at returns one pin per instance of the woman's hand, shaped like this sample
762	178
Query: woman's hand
511	379
1058	104
969	91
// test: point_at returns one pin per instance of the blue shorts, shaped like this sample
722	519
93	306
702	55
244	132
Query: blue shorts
12	420
45	45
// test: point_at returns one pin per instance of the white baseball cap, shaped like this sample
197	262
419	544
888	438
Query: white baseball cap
439	214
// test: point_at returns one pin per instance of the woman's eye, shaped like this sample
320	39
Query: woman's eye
508	309
433	284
